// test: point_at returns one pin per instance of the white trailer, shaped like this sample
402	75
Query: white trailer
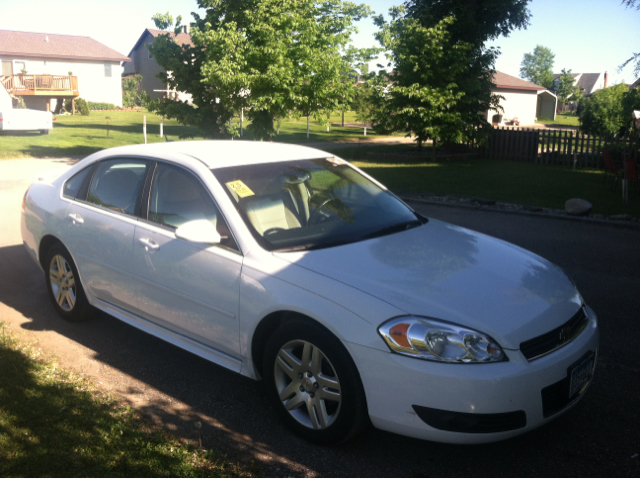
14	119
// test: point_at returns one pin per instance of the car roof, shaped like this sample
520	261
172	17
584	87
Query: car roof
223	153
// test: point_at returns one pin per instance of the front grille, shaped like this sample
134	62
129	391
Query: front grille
541	345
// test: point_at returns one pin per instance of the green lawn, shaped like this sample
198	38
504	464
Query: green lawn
82	135
54	423
506	181
565	119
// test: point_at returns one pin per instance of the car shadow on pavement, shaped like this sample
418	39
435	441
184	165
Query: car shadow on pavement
237	420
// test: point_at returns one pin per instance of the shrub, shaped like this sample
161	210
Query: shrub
101	106
82	107
602	113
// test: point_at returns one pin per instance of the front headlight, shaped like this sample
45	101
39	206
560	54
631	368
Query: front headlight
427	338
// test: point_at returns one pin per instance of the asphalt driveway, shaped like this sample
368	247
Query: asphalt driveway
599	437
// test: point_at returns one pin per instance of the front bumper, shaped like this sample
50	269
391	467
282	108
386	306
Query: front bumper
394	384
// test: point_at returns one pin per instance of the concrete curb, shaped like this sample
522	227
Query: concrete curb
629	225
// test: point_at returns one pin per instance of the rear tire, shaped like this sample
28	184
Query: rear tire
314	383
64	287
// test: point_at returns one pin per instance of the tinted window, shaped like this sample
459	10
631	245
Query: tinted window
177	196
73	184
117	183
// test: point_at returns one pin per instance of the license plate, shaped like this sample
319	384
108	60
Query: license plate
580	375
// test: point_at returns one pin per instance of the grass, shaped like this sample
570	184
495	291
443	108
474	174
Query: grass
54	423
566	119
82	135
505	181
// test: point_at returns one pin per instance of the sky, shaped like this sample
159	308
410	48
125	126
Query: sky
586	36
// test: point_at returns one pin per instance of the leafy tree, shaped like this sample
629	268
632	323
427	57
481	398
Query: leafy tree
630	103
132	94
268	58
603	112
421	97
475	23
537	67
566	91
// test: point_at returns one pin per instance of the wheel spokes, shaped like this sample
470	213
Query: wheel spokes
307	384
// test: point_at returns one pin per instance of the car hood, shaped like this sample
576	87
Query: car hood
450	273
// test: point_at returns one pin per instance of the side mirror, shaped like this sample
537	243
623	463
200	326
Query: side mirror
199	231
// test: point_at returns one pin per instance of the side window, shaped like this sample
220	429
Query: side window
107	70
116	184
73	184
177	197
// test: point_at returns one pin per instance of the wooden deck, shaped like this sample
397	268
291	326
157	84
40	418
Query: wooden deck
41	85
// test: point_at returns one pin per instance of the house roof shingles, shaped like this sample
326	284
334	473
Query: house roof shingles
502	80
49	45
180	38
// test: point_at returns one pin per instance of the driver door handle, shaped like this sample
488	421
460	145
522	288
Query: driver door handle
149	244
76	218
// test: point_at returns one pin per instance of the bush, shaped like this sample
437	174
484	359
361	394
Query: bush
82	107
101	106
602	113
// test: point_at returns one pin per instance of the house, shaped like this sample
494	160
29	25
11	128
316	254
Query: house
523	100
43	69
588	82
144	64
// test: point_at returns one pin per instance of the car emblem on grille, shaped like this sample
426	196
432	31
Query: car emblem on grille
565	333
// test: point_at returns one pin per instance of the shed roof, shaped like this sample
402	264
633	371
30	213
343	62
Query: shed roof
51	45
502	80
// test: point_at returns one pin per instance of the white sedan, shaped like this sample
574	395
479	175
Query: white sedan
288	264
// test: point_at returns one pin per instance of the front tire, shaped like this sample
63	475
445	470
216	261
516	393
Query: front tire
63	285
314	383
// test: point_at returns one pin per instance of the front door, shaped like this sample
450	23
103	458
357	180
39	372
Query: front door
190	288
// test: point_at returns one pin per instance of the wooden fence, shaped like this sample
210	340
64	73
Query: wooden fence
555	147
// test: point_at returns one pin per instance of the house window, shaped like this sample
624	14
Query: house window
148	52
107	70
19	66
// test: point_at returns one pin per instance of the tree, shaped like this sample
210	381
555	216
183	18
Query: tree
566	91
475	23
132	94
537	67
421	98
603	112
267	58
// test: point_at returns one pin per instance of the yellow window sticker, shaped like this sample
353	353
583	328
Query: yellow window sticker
240	188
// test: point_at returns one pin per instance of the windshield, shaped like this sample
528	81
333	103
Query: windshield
310	204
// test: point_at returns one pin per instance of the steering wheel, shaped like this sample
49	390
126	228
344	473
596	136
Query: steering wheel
317	215
271	231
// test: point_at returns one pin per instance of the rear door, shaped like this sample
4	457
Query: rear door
101	227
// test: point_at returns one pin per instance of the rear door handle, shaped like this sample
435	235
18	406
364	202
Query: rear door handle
149	244
76	218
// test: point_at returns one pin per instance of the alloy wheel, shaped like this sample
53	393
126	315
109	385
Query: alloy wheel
63	283
307	384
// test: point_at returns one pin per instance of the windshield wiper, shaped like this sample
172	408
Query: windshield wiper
397	228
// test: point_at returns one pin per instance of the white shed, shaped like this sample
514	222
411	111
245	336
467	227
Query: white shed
522	100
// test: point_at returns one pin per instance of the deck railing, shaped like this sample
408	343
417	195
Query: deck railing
30	84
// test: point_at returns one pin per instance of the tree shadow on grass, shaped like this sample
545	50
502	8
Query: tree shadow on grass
75	152
52	427
152	128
